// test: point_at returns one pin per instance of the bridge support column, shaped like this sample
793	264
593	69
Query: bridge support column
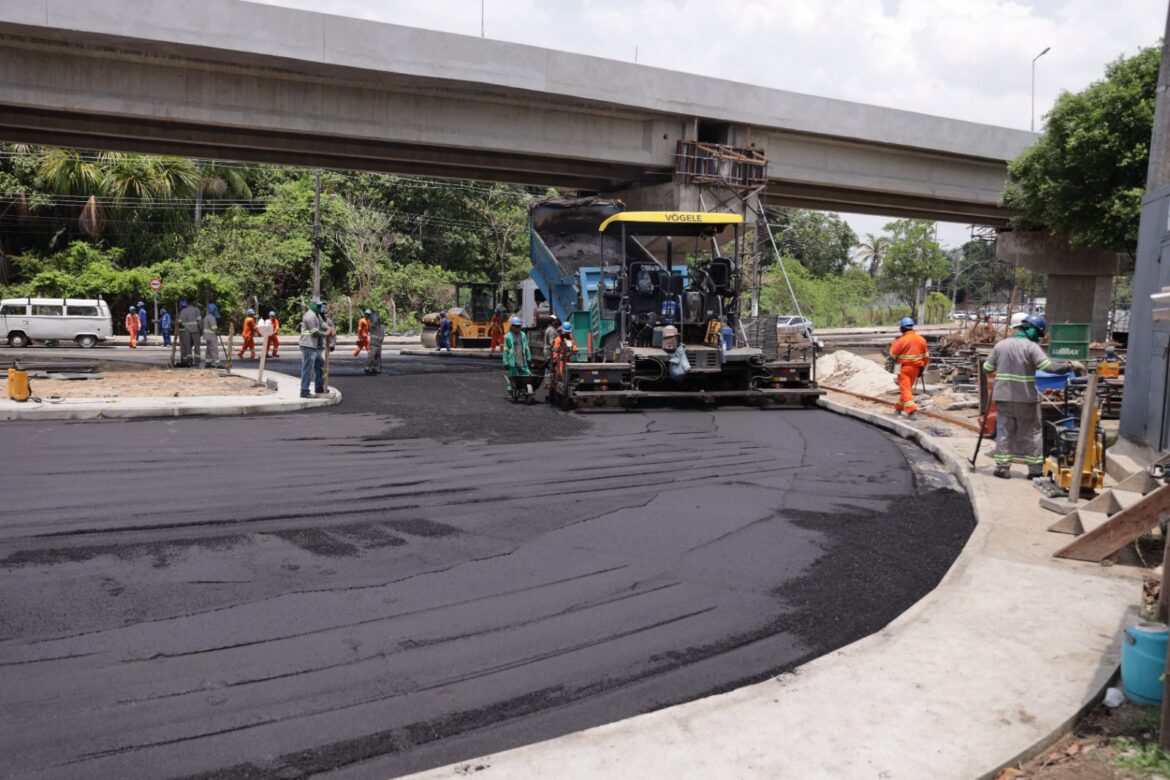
676	196
1080	281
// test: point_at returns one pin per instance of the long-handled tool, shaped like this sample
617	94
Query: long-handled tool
982	428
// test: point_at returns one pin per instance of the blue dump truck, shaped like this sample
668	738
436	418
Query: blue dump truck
642	287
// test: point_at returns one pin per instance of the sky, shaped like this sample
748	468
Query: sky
966	59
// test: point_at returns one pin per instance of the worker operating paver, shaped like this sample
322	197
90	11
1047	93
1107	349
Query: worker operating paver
910	352
1014	361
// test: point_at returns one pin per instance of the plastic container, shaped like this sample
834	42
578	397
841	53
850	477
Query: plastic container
670	312
1143	659
728	336
18	389
1047	381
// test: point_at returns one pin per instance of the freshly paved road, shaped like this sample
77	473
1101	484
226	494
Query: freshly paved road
427	573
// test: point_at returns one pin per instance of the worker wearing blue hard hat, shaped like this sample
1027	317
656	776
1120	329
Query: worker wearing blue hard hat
910	353
517	354
1014	361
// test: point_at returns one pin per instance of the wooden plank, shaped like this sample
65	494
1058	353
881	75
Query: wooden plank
1121	529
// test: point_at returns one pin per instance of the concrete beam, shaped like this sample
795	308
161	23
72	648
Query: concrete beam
1044	253
256	82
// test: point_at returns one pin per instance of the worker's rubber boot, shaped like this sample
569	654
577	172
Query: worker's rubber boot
1003	472
912	416
1035	473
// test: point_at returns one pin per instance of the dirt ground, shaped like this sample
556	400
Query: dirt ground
1119	744
131	380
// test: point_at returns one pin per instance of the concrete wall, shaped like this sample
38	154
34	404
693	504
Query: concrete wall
1145	414
237	80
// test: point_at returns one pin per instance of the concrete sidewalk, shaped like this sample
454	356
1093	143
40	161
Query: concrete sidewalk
286	398
987	669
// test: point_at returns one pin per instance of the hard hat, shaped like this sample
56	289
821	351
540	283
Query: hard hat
212	308
906	322
271	314
1037	322
367	311
140	303
567	327
183	303
669	332
1018	319
515	322
1110	349
251	311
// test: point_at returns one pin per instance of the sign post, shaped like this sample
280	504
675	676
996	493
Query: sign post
155	286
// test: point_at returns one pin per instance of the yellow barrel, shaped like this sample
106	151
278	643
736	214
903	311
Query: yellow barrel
18	385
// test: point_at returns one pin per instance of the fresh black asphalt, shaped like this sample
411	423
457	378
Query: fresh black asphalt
428	573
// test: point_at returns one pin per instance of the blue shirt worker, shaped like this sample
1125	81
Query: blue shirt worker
142	322
1014	361
443	339
164	324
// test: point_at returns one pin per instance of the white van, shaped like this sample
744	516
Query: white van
24	320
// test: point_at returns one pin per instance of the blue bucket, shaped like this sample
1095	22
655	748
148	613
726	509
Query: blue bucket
1143	659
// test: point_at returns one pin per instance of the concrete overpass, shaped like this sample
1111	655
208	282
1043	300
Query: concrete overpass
235	80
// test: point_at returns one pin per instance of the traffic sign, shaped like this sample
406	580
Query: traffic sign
156	284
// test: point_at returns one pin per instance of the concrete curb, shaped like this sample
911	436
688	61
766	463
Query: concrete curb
962	470
286	399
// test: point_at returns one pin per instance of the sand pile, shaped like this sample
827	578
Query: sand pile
847	371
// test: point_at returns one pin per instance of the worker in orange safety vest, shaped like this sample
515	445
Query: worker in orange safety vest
249	335
272	344
563	348
910	353
363	337
496	330
132	327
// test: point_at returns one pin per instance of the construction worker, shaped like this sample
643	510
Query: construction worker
910	353
1014	361
443	337
1109	367
551	331
272	343
132	325
377	336
363	336
313	341
249	335
562	347
496	330
517	355
190	333
164	323
211	337
142	322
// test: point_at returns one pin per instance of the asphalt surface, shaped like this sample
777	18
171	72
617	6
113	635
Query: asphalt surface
427	573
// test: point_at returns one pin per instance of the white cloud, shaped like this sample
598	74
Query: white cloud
967	59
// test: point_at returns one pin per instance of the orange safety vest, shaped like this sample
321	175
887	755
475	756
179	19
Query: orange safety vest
1109	369
249	327
132	323
910	349
363	328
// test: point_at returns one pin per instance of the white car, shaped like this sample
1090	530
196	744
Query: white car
804	326
25	320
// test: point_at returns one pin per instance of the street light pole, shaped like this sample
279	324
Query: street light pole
1032	118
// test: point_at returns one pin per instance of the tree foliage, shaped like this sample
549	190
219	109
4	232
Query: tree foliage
821	241
912	257
1085	177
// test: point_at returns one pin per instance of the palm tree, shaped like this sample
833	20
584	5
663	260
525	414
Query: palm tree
216	181
874	248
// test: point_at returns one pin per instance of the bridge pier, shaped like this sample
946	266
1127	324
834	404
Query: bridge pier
1080	281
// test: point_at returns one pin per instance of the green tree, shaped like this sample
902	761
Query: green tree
1085	177
871	251
821	241
912	257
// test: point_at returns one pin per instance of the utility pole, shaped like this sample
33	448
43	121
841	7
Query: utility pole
317	238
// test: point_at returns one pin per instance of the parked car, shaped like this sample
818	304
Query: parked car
25	320
804	326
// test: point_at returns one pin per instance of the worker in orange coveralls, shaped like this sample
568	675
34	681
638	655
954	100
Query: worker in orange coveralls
272	345
132	327
910	353
496	330
249	334
363	339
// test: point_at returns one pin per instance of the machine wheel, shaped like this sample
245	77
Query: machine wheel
87	341
17	339
430	337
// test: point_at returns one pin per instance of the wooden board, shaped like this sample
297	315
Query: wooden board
1121	529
